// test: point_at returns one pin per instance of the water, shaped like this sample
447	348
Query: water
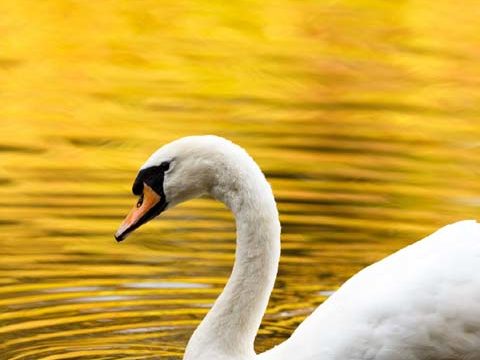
363	114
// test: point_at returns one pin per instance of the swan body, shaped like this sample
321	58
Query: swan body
421	303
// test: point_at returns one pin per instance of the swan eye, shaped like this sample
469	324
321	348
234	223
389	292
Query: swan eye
164	166
140	201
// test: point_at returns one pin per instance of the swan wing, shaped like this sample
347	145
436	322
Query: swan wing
422	302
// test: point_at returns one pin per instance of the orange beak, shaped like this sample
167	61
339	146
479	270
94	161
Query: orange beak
151	206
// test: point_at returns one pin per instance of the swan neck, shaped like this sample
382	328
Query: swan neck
229	329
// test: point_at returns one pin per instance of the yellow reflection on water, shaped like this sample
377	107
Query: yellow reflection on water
363	114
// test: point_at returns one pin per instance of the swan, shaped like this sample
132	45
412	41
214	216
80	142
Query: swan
422	302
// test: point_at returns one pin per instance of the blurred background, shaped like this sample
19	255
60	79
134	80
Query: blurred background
364	115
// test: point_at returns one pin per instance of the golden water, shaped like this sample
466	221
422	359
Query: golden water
363	114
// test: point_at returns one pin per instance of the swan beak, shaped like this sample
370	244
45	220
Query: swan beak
151	206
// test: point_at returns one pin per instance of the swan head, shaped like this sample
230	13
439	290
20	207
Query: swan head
181	170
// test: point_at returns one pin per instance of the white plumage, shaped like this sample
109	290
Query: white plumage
421	303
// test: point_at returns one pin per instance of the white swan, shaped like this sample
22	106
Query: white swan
420	303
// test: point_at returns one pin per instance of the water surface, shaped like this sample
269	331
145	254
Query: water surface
364	116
